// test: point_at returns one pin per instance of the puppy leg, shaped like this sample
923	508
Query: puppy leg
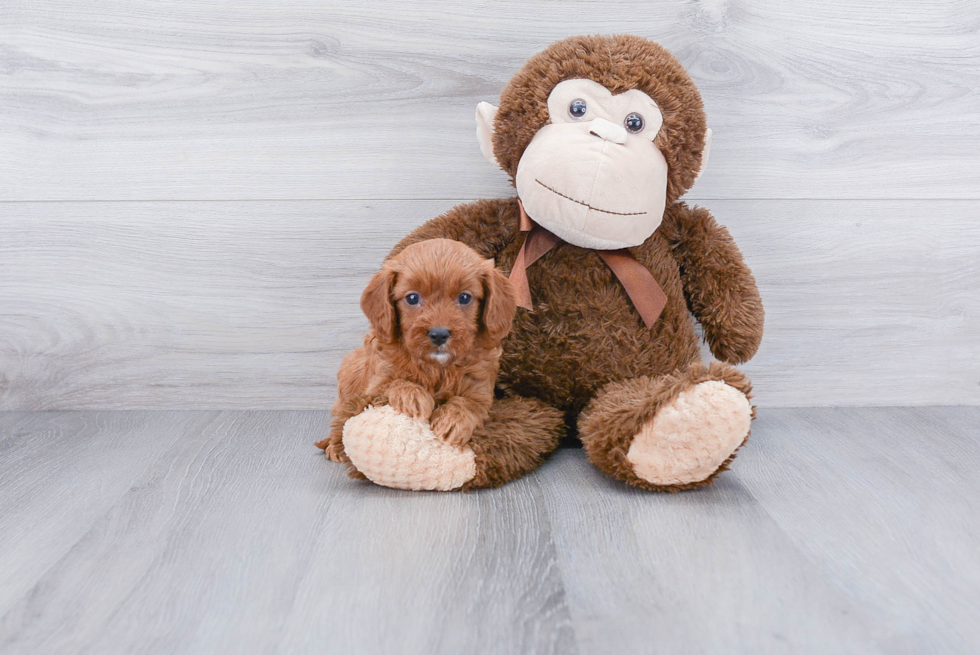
409	399
343	409
352	379
337	415
455	420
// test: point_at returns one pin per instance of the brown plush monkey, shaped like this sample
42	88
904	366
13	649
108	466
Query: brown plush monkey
601	135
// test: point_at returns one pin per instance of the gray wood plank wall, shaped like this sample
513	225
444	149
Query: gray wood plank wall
192	195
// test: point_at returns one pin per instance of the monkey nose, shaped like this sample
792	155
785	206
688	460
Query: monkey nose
439	335
607	130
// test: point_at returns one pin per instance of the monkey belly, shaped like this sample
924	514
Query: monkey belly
584	331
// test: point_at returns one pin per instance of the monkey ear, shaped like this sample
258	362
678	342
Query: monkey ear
378	305
704	151
499	303
485	113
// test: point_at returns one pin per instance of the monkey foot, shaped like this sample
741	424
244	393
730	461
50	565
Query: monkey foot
691	437
394	450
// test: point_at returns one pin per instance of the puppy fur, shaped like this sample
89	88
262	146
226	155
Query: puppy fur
450	385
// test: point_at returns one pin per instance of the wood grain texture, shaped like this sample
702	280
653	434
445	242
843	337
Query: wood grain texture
243	538
693	573
838	530
253	304
186	304
867	302
883	501
204	99
61	473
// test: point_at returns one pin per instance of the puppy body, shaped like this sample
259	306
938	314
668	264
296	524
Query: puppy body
438	313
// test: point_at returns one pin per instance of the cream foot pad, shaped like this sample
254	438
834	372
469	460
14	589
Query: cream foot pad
397	451
690	438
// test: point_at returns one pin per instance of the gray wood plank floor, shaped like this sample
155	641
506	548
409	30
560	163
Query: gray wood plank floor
839	530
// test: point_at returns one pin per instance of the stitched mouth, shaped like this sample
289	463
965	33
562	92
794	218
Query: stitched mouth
585	204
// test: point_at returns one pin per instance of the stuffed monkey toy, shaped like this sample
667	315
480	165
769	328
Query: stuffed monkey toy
601	137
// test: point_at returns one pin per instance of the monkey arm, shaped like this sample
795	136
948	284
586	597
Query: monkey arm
487	226
719	288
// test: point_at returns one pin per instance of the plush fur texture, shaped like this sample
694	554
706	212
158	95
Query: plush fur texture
514	440
627	408
423	462
689	438
584	352
617	180
619	63
718	286
394	450
449	384
584	331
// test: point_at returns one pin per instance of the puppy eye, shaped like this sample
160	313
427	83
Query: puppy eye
634	123
413	298
464	298
577	108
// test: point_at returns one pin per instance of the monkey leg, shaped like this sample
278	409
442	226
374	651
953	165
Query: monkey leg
672	432
514	441
394	450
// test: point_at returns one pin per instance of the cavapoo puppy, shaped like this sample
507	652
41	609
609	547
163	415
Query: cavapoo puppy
438	313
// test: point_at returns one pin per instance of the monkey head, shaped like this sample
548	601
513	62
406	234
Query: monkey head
599	135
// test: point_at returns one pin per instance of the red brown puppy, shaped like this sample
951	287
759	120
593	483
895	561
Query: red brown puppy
438	313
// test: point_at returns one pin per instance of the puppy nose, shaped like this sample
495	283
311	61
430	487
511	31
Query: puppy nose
608	130
439	335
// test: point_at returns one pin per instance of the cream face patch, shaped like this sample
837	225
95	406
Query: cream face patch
593	176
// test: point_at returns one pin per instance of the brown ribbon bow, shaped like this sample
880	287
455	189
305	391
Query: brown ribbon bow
640	285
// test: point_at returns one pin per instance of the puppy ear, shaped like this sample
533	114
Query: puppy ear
499	303
378	305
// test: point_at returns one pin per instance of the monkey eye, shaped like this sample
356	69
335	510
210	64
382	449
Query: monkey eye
577	108
413	298
464	298
634	122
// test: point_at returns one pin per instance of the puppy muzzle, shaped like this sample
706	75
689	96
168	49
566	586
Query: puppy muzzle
439	335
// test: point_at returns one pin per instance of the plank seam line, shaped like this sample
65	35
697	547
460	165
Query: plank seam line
688	200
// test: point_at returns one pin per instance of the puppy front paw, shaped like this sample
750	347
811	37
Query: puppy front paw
335	451
453	425
333	445
411	400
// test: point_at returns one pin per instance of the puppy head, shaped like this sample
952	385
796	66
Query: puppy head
440	299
